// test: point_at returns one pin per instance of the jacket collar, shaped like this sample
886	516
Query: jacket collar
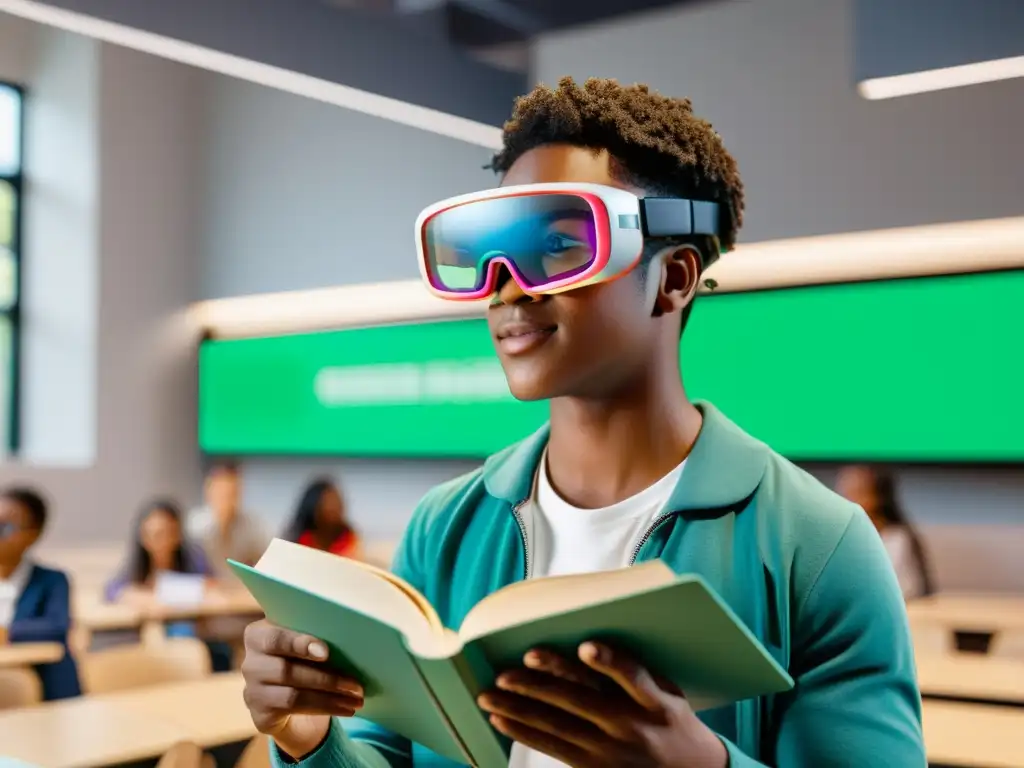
725	466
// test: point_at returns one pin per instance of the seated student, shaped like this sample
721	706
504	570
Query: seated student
320	521
158	546
34	601
222	528
875	491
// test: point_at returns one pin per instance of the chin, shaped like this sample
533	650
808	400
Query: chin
529	387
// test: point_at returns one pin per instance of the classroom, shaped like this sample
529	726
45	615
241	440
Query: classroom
243	327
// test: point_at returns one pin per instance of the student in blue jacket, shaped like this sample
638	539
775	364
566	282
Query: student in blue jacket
613	201
34	601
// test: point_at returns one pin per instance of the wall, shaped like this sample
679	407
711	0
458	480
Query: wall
775	78
126	264
300	194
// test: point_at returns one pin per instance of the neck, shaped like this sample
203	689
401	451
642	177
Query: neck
7	568
604	450
162	562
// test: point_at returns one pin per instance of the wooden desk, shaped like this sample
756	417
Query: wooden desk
210	712
96	616
966	612
970	676
973	735
127	726
82	733
29	654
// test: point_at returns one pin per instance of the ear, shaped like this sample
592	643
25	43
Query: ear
678	275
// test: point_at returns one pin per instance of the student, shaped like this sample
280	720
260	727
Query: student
628	469
875	491
320	521
222	527
158	546
34	601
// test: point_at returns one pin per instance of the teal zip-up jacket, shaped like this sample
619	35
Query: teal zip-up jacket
802	567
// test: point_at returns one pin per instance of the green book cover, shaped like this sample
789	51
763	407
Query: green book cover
422	679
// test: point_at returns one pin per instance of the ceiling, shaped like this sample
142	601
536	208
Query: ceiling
481	25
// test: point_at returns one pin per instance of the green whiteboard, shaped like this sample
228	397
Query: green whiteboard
920	370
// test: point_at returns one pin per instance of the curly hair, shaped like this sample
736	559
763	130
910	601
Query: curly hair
656	142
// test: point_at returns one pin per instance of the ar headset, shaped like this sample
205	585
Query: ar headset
551	237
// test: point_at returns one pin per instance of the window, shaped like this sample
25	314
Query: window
11	184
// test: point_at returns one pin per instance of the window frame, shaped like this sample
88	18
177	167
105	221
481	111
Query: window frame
13	313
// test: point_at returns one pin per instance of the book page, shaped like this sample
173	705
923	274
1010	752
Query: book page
534	599
372	591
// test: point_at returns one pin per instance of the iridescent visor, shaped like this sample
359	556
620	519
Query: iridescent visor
545	240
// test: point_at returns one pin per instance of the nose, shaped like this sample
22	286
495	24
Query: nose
510	292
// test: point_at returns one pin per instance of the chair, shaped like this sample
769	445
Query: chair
932	638
185	755
19	687
1008	645
256	754
137	666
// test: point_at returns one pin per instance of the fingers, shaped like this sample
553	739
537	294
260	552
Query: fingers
269	639
272	701
549	729
543	742
573	670
603	710
285	676
634	679
276	670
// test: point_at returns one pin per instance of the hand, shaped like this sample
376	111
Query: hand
603	710
3	636
137	597
290	694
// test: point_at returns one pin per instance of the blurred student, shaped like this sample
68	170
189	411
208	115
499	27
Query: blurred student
320	521
875	491
158	546
34	601
221	527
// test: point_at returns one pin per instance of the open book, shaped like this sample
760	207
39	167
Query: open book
422	679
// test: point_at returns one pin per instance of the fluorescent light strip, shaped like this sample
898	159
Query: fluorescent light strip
423	118
975	246
941	79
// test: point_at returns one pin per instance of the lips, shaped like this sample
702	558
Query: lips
517	338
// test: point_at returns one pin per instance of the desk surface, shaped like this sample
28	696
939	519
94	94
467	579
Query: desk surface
129	725
981	612
973	735
971	676
28	654
210	711
81	733
95	615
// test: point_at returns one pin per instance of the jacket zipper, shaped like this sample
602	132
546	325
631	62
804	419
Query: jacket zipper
658	522
522	532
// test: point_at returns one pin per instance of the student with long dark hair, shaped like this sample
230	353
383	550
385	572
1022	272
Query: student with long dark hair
320	522
157	544
874	490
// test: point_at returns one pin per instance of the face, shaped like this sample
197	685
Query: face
223	492
18	531
160	535
592	341
857	484
330	511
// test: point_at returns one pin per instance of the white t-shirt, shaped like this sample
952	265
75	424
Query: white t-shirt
11	589
563	539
